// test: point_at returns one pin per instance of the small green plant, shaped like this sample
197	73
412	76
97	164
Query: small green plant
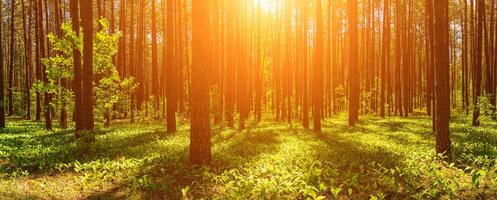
59	69
487	110
184	192
109	87
335	191
379	196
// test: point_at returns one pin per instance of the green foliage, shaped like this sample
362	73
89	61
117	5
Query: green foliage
340	97
59	68
109	88
487	110
366	102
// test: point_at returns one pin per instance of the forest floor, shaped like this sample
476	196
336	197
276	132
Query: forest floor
390	158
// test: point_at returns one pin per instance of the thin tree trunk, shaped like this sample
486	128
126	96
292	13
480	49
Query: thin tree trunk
74	8
2	87
155	67
10	90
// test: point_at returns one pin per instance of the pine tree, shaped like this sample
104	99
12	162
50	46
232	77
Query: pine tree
200	133
353	65
442	98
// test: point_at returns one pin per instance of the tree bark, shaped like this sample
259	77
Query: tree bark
353	65
477	70
200	133
155	68
171	92
442	78
86	11
74	9
10	90
318	68
2	87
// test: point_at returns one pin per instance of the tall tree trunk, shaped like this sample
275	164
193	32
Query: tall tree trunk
200	133
27	58
230	65
2	88
86	11
477	70
171	93
132	60
305	66
442	98
78	113
353	65
42	53
64	81
385	55
38	71
10	91
121	58
464	55
140	68
318	68
155	67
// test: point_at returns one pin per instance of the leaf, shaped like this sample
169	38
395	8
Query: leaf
184	192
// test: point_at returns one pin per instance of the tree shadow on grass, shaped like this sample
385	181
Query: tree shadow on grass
352	152
169	177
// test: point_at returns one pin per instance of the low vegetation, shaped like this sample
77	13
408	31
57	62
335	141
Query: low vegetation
378	159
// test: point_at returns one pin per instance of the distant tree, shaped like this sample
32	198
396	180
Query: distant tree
430	58
353	65
2	87
121	57
385	56
464	55
41	75
200	133
230	96
140	65
317	88
10	90
26	22
155	67
38	71
76	86
241	66
132	59
305	65
477	69
171	93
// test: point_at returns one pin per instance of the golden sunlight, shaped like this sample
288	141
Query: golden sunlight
265	5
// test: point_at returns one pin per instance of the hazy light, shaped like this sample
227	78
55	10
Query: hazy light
265	5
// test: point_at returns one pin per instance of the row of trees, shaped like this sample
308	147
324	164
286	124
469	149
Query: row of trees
236	60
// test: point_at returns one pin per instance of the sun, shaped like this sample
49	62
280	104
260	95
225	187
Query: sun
264	5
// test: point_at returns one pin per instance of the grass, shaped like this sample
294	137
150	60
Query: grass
390	158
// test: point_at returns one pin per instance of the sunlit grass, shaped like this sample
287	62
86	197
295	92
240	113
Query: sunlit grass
390	158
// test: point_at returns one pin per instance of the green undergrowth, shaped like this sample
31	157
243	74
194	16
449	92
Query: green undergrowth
391	158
